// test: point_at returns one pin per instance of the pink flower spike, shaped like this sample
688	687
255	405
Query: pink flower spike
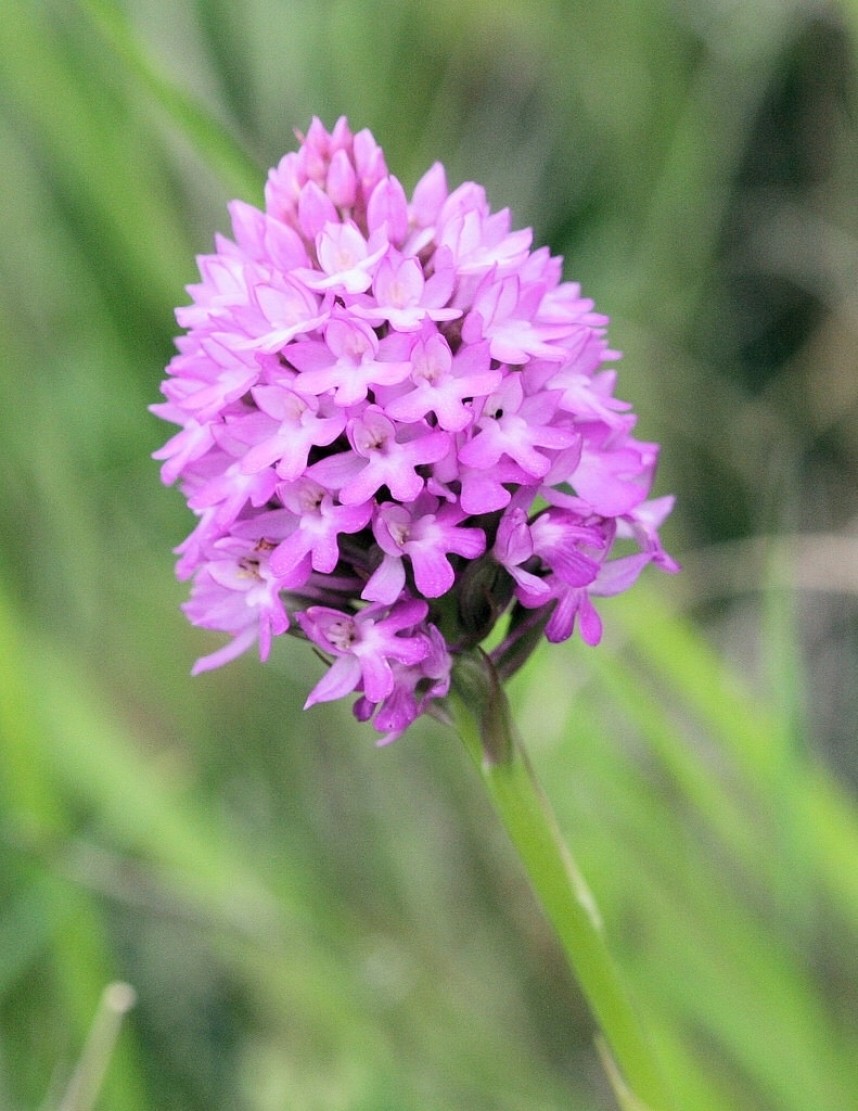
370	391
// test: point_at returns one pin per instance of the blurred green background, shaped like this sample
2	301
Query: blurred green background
309	922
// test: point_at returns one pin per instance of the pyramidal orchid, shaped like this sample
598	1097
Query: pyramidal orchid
384	402
398	432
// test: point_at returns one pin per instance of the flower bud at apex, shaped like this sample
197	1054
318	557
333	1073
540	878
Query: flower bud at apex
373	393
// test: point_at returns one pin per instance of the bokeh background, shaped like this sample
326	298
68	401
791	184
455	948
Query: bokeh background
309	922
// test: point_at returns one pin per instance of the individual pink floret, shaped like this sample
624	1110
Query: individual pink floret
348	365
346	260
404	298
363	646
428	536
441	384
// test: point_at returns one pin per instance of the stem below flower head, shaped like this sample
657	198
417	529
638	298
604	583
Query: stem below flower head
481	715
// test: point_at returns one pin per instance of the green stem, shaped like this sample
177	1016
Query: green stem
482	718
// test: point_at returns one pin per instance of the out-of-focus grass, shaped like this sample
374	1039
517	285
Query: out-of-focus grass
311	923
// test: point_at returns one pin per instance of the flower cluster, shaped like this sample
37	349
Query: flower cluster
396	428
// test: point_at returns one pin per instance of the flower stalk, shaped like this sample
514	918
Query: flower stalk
481	715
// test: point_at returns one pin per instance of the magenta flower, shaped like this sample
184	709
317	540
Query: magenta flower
395	425
348	365
428	536
363	647
442	385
